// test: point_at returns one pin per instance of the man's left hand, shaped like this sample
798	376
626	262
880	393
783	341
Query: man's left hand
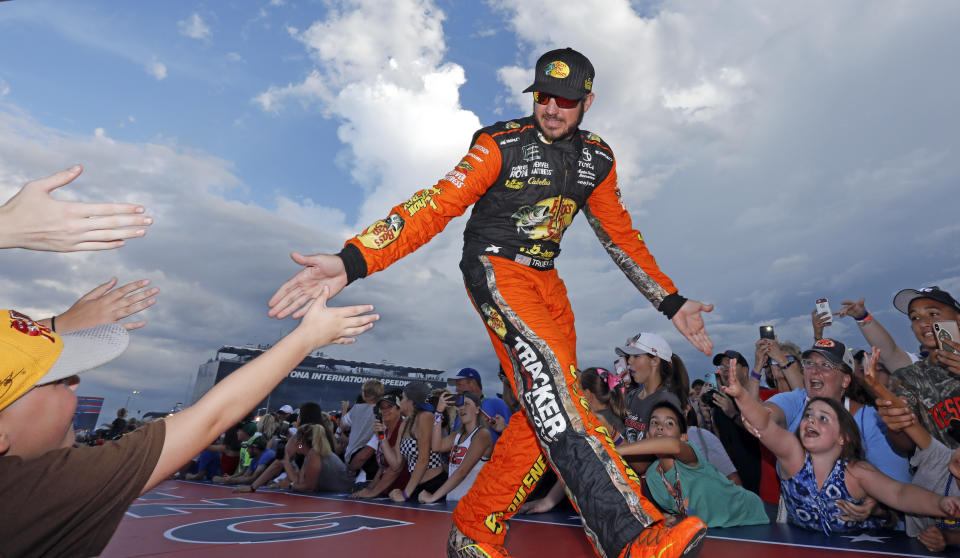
689	322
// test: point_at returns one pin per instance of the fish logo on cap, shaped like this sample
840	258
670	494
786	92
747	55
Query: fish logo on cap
557	69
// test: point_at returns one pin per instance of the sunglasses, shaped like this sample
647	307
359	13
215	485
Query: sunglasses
543	98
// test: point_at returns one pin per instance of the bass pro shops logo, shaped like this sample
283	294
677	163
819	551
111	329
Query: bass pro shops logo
546	219
380	234
494	320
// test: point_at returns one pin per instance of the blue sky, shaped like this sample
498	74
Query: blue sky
770	153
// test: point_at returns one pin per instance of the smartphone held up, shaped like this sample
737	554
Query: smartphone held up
946	331
824	307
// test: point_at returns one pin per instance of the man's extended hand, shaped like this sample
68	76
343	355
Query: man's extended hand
296	295
689	322
32	219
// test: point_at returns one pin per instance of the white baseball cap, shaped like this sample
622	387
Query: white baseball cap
648	344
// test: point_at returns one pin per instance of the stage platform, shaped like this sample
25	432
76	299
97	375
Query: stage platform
185	519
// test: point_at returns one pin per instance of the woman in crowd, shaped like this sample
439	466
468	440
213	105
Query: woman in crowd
268	428
660	374
822	464
427	468
469	446
322	469
386	432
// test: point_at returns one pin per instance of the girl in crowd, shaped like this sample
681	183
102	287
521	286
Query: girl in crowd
822	464
469	447
386	431
661	375
427	468
605	394
682	482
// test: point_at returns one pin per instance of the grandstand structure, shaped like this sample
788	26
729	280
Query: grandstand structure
318	378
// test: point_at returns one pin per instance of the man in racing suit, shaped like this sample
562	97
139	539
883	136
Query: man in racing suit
526	179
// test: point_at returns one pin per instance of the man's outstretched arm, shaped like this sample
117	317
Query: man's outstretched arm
32	219
614	228
407	227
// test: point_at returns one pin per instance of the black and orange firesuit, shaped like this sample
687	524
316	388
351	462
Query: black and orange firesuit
525	192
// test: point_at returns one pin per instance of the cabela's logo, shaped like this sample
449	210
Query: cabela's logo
534	181
382	233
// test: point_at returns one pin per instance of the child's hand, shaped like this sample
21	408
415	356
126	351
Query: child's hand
335	325
932	538
950	505
856	512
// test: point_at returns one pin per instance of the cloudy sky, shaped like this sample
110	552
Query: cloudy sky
771	154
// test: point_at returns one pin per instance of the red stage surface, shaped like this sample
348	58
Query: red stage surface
181	519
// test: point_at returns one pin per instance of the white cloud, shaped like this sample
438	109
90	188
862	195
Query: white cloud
749	143
235	57
157	69
195	28
4	88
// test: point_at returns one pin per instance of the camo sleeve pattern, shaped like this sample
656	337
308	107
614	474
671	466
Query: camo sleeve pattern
415	221
611	223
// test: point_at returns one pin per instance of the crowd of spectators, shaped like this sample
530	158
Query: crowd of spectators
848	439
842	439
803	428
413	444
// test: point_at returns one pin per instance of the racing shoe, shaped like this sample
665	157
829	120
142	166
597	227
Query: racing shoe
683	540
462	546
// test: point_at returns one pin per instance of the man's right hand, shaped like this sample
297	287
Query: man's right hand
295	296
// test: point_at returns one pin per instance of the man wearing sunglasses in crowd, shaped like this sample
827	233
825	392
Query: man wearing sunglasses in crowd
526	179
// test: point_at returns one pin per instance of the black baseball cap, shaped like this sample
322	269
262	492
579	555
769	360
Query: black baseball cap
563	72
718	358
831	350
903	299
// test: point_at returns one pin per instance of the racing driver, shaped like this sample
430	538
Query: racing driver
526	179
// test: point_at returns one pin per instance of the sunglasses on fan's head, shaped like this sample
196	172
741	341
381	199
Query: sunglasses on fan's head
542	98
